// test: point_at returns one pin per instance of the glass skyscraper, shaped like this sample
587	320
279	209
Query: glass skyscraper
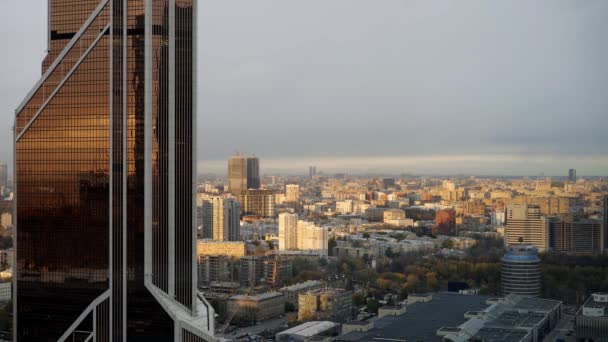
105	166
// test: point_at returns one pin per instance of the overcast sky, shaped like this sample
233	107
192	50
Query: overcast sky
481	87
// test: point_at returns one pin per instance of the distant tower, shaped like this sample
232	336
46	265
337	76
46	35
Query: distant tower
521	271
243	173
312	171
572	175
3	175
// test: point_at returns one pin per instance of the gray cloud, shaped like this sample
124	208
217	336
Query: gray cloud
391	78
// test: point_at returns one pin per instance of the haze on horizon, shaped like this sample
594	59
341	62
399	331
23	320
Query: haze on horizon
472	87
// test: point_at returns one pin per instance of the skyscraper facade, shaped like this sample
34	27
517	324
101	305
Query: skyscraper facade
243	174
105	176
572	175
605	222
3	175
578	236
526	225
253	173
222	219
288	231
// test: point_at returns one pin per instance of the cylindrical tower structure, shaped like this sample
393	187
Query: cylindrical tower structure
521	271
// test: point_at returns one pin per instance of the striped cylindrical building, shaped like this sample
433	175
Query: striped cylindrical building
521	271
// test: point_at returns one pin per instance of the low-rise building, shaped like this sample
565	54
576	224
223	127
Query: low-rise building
258	307
391	311
393	214
520	318
374	214
591	322
359	326
6	257
327	304
421	321
292	292
5	291
309	331
419	298
234	249
402	222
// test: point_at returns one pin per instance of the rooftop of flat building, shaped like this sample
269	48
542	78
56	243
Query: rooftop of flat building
261	296
310	328
598	300
392	307
512	319
210	241
303	285
358	323
533	304
422	319
332	291
500	335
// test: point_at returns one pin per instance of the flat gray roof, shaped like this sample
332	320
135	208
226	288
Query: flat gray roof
591	303
513	319
499	335
536	304
422	320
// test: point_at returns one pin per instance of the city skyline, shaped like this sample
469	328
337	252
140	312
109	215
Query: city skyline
467	106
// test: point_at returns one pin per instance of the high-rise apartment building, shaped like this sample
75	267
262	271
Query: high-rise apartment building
292	193
288	231
325	304
243	173
526	225
3	174
312	238
572	175
251	270
258	202
221	219
206	219
578	236
105	177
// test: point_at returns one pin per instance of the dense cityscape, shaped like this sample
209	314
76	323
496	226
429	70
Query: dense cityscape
292	256
338	257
